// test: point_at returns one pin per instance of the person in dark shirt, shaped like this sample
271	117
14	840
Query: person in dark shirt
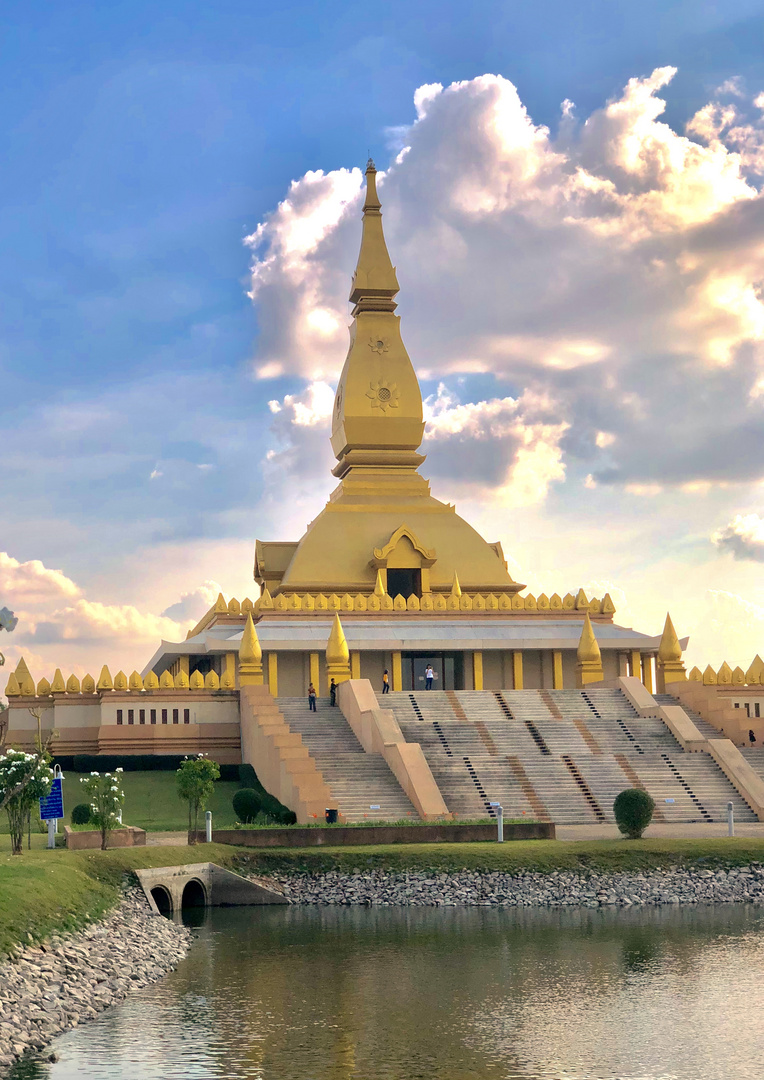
332	693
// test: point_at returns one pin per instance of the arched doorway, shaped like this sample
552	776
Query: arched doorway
194	895
162	899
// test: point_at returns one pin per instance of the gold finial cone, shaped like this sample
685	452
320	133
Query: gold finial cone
12	688
588	650
22	672
337	652
105	681
755	674
669	648
456	589
250	651
379	587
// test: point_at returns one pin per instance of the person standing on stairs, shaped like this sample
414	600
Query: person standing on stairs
385	682
332	693
429	675
312	698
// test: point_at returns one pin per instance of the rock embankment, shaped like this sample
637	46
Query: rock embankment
73	977
557	889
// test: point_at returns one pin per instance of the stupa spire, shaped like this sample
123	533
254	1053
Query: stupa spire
378	408
374	281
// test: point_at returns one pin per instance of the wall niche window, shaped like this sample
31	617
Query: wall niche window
404	582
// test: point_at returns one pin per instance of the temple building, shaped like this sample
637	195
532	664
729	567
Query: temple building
544	702
413	582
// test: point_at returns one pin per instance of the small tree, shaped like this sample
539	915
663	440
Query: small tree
196	781
106	801
24	778
633	810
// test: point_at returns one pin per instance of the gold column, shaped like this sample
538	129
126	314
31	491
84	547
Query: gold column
647	671
355	665
315	671
477	670
636	664
230	667
183	661
273	673
557	670
397	672
517	670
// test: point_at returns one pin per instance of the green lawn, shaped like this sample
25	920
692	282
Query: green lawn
151	802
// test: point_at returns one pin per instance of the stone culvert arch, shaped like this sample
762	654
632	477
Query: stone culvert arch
196	885
162	897
194	894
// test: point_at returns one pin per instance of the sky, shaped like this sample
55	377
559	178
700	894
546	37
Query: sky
572	195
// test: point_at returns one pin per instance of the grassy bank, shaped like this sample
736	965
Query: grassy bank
511	858
42	891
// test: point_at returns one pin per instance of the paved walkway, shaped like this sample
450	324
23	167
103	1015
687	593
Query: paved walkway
700	830
167	839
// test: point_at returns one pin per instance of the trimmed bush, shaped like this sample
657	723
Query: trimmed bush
633	810
248	778
247	804
81	814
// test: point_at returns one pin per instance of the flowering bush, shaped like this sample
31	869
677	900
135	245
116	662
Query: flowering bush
24	778
106	801
196	779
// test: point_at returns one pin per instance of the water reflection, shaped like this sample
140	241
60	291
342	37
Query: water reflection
442	994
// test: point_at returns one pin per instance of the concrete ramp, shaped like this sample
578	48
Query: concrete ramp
171	888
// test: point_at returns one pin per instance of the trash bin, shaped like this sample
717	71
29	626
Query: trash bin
331	816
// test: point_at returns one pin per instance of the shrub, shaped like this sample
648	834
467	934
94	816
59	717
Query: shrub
81	814
633	810
24	778
106	801
247	805
248	779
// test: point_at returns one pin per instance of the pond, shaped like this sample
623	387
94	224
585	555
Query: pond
329	993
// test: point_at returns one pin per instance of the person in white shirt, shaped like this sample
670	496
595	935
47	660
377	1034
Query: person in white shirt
429	675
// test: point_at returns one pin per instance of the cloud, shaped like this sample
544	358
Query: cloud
192	605
58	625
505	449
613	267
31	583
743	537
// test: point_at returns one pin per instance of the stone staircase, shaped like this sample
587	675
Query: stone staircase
708	731
362	786
557	755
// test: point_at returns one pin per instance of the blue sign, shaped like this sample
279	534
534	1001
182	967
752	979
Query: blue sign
52	806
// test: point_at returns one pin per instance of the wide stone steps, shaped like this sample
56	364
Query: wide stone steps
558	755
361	784
708	731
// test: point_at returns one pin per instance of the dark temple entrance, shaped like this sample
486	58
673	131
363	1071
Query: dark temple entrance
448	669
